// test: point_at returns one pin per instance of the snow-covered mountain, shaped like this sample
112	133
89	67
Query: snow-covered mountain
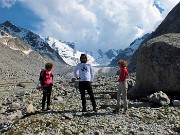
135	45
67	51
127	53
64	51
32	39
55	48
3	33
70	55
104	58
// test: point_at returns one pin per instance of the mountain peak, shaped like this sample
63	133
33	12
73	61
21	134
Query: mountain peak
11	26
170	24
7	23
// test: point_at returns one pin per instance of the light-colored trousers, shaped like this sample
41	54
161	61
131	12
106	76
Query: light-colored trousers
122	95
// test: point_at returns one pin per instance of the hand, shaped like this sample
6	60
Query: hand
39	86
51	84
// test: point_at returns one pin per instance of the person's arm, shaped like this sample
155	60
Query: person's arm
91	73
127	74
119	77
75	72
42	76
52	76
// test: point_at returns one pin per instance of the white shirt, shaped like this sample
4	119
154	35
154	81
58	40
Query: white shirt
85	72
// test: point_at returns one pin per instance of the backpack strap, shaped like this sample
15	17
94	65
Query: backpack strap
42	78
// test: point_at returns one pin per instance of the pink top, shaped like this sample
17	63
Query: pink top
48	76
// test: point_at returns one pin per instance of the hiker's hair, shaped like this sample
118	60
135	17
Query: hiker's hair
84	56
48	65
122	63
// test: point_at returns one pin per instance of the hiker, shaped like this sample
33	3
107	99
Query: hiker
46	81
122	86
85	78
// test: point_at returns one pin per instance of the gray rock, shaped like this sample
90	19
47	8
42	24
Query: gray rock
73	80
159	98
158	65
76	84
67	132
30	109
21	85
68	116
176	102
107	96
15	106
59	98
156	62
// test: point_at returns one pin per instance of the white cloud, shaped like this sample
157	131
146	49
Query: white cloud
94	24
7	3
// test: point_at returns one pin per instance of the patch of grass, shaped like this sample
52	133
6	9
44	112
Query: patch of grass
33	119
23	125
38	131
166	109
55	124
15	133
16	121
113	88
48	123
147	118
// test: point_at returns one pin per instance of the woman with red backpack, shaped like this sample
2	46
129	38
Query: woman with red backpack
46	81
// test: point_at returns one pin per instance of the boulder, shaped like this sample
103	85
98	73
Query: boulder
176	103
158	65
159	98
73	80
30	109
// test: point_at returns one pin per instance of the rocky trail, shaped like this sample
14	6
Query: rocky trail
20	112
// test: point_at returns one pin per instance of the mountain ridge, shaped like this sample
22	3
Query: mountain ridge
66	51
42	45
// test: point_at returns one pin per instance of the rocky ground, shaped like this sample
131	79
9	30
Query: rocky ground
20	112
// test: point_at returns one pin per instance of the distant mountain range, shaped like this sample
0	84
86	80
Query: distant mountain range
65	51
127	53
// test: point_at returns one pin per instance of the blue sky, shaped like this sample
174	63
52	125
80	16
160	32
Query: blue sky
90	24
19	15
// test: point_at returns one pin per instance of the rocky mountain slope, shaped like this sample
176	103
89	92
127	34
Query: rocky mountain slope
19	62
32	39
170	24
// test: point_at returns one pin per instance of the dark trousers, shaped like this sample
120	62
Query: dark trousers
46	95
86	85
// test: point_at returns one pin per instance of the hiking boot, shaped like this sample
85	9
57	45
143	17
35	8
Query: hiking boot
94	109
48	108
84	110
116	110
